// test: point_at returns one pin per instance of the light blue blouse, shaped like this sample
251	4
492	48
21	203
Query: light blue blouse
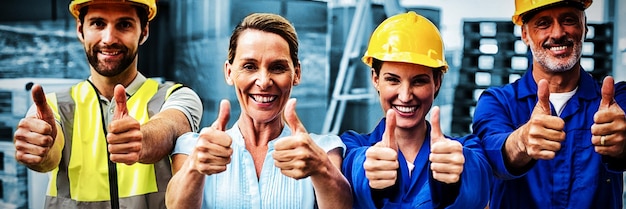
237	187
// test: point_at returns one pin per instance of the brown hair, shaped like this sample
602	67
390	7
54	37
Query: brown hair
267	22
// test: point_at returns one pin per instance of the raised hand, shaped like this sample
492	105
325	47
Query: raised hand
609	128
212	152
446	156
297	155
124	132
381	160
35	135
543	133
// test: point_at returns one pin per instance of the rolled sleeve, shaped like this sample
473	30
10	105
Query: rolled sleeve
493	126
329	142
188	102
185	143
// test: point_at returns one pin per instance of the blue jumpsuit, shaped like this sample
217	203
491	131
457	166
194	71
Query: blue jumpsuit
420	190
577	177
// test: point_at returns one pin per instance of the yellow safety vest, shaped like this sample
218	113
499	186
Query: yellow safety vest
81	179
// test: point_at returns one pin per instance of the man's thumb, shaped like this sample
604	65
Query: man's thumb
119	95
435	127
292	119
44	112
543	97
608	92
390	128
223	116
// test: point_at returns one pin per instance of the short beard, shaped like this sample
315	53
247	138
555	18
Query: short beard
542	57
112	69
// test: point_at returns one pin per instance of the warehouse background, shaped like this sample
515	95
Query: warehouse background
189	39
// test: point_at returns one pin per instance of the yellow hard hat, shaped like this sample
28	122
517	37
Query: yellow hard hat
150	5
524	6
407	37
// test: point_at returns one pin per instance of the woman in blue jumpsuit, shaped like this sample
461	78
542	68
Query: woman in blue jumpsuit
406	162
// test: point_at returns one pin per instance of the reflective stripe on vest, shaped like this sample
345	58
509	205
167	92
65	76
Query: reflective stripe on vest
82	174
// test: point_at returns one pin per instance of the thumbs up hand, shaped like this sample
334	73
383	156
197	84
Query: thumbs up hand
35	135
381	160
446	156
297	155
609	128
542	135
212	152
124	135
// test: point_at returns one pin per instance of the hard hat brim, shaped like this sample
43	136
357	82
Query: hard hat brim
76	5
522	16
412	58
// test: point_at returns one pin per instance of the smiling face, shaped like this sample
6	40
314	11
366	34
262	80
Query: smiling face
555	37
408	89
111	35
263	74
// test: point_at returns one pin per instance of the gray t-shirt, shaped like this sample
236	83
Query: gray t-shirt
183	99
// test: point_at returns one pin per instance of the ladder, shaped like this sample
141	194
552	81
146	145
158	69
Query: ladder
343	92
